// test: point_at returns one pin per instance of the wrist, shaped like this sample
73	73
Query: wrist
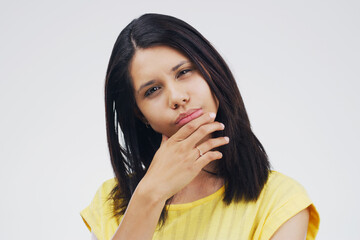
147	192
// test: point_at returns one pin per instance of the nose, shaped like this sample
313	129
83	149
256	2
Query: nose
177	97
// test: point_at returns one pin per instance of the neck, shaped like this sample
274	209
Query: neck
211	168
204	184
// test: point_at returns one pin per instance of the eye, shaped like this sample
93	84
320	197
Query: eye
182	72
151	91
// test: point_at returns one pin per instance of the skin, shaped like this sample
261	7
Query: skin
157	85
162	93
185	87
295	228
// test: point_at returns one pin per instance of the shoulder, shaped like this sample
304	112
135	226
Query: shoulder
283	193
282	186
281	199
99	213
100	199
106	187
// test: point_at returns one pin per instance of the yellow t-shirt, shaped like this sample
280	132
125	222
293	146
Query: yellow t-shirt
209	218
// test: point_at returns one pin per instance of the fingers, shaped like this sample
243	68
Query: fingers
192	126
207	155
203	131
205	159
212	143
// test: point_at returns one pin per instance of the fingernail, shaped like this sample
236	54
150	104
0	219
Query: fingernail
212	115
227	139
223	126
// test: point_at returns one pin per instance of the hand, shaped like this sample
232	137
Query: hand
177	161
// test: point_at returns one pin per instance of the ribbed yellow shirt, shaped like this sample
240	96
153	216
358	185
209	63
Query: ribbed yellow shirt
210	219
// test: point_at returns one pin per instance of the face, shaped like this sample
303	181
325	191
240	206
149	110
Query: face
167	84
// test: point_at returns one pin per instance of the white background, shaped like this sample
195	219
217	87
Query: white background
296	64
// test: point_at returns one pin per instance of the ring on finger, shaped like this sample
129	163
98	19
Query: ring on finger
199	152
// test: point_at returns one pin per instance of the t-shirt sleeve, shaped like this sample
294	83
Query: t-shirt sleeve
283	198
98	215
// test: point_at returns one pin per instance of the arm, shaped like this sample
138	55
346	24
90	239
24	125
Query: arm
175	164
141	216
295	228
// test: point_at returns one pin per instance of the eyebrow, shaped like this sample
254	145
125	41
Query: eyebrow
179	65
153	81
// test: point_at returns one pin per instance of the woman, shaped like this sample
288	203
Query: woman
189	166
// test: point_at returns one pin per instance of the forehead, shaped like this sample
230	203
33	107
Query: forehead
148	63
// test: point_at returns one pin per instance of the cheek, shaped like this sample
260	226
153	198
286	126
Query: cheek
216	101
204	90
154	115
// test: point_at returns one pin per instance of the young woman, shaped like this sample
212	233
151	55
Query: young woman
189	165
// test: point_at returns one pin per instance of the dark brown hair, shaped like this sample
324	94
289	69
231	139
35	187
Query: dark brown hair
245	166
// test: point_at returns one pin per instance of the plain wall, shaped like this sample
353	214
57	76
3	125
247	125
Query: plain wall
296	64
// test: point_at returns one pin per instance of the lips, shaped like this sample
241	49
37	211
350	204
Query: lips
186	117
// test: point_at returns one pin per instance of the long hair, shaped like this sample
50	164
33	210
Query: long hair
244	167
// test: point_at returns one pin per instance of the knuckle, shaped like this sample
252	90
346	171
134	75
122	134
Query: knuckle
191	126
211	143
218	141
214	142
215	155
210	155
203	130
